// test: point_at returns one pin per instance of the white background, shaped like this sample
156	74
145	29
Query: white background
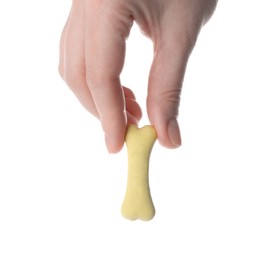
61	192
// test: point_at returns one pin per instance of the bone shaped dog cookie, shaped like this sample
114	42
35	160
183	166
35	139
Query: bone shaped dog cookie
138	202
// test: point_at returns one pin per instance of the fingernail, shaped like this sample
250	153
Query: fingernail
174	132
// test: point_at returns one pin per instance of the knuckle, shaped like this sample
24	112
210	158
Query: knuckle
168	96
167	102
73	78
99	79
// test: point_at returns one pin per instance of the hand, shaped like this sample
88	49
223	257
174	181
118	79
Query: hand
92	52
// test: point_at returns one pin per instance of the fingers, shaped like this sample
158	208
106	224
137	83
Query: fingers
173	46
105	51
92	50
164	92
72	57
92	56
134	112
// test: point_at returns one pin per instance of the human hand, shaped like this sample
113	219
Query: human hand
92	51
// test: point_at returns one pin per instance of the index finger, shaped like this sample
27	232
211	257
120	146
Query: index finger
106	30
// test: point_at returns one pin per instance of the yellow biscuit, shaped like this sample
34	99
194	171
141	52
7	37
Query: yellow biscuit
138	202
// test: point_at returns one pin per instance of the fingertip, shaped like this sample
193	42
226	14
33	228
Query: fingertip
113	144
114	128
168	133
132	120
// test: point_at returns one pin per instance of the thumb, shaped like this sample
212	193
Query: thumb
165	84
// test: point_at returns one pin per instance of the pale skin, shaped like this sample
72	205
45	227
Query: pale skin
92	51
